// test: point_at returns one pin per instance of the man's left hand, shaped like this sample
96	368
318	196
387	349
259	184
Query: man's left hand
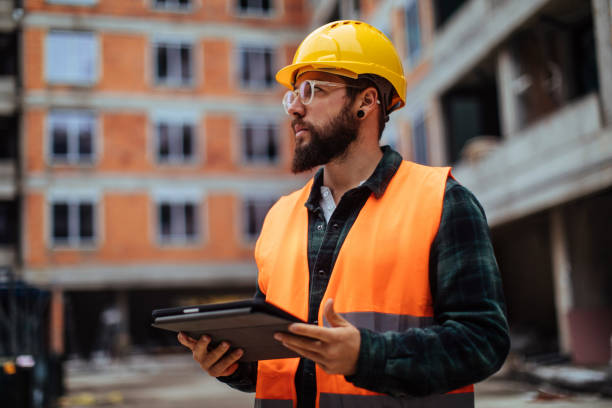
335	349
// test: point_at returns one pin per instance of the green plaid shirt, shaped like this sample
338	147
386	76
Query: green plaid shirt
469	340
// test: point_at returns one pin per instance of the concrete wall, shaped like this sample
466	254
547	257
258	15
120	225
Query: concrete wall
545	187
562	157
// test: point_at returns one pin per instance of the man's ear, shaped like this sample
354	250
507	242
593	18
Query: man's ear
369	100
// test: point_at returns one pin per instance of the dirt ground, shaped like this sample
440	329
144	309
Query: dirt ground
176	381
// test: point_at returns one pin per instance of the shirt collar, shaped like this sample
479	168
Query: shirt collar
377	182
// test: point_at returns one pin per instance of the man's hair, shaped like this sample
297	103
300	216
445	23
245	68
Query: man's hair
362	83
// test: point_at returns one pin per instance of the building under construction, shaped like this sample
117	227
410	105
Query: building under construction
517	97
144	141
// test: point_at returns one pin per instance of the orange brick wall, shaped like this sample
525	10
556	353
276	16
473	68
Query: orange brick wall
287	12
218	128
128	234
128	229
126	145
33	58
217	71
34	250
127	220
123	63
33	140
124	140
126	224
126	65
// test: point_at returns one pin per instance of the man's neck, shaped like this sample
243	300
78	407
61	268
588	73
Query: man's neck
355	166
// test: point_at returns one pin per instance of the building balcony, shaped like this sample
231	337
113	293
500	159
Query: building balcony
145	275
476	29
8	181
562	157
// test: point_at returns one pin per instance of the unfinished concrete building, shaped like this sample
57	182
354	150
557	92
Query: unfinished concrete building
517	96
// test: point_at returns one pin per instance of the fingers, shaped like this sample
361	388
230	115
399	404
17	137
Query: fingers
302	343
325	355
227	365
308	330
209	358
335	349
334	319
200	350
186	341
306	347
216	362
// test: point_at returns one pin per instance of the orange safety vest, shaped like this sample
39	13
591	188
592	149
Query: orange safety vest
380	281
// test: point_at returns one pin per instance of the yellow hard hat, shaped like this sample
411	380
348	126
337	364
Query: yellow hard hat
349	48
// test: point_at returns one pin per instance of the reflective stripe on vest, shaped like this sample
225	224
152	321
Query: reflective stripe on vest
457	400
271	403
380	280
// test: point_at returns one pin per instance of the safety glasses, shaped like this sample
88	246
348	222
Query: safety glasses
306	92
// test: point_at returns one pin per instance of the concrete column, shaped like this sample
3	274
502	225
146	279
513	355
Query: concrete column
56	326
602	17
322	11
561	276
437	143
347	11
124	328
507	72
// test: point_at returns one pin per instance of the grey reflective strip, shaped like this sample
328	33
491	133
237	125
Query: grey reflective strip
382	322
459	400
273	403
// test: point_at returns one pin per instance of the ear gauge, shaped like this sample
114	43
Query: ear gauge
360	113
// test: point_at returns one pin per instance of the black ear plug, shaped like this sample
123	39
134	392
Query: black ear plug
360	113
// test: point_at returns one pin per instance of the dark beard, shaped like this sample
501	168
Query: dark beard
327	143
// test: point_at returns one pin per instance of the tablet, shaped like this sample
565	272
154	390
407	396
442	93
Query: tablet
246	324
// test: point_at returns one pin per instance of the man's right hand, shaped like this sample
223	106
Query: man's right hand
216	362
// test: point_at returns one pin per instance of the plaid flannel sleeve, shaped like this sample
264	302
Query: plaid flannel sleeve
469	340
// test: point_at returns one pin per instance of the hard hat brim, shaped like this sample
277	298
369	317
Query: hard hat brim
287	75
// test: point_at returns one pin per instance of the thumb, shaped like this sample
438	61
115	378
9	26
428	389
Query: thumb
334	319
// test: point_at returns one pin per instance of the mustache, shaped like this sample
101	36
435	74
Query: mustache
302	123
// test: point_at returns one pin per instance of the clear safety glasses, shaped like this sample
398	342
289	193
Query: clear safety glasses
306	92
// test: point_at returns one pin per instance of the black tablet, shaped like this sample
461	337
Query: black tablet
246	324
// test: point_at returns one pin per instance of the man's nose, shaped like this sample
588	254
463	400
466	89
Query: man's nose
296	108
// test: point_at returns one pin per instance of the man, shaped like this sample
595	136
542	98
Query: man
389	261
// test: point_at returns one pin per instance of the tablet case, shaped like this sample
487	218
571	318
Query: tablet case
248	324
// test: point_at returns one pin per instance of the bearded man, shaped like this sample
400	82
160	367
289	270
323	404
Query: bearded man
389	262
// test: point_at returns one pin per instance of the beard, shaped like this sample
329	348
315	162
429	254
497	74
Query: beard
326	143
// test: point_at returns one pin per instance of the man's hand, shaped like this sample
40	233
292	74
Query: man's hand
216	362
335	349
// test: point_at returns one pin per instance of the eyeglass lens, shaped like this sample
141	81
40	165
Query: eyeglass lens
305	92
